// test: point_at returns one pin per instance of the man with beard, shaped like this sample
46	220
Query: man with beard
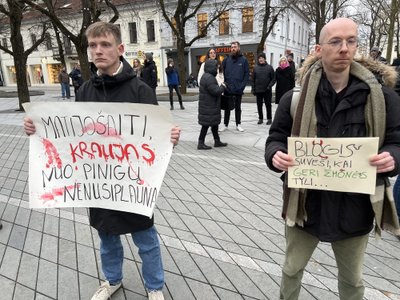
236	74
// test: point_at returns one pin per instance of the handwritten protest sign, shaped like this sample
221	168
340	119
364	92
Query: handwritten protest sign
334	164
108	155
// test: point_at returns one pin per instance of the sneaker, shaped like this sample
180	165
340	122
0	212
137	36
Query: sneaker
259	121
223	128
106	290
156	295
239	128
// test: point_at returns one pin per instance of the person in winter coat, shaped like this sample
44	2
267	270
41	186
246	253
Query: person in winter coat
173	83
137	67
212	54
210	104
76	77
149	72
114	80
262	82
285	79
340	97
236	74
63	79
396	187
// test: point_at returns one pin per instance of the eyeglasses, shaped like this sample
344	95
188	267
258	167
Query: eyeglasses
337	43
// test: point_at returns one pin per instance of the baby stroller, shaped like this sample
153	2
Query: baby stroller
191	82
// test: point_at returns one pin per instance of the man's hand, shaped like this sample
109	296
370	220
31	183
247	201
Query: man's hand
29	126
384	162
282	161
175	134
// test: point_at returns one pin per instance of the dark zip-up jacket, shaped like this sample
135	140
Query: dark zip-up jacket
263	78
236	73
149	74
334	216
123	87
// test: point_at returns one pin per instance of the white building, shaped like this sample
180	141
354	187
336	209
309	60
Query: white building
144	30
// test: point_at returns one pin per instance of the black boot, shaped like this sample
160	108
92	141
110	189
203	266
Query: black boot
182	106
218	143
202	146
172	107
269	122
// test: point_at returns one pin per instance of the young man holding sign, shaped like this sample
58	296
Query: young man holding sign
114	80
339	98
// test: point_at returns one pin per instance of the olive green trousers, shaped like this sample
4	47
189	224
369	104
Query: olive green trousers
349	254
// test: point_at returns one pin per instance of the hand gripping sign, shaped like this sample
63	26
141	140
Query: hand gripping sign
108	155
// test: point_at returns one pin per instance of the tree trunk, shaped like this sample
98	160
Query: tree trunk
83	59
19	56
182	65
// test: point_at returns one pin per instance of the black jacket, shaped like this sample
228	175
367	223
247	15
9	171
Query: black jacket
334	216
124	87
210	95
149	74
263	78
284	82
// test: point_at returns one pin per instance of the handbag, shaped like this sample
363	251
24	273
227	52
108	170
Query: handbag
227	102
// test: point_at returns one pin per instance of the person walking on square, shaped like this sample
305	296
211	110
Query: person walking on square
285	79
236	74
76	77
263	80
63	79
149	72
114	80
173	83
339	97
210	104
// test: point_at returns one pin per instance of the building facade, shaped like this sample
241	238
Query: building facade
145	30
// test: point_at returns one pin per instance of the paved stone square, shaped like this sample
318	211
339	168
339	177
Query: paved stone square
218	217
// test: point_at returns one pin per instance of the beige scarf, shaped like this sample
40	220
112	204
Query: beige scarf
305	125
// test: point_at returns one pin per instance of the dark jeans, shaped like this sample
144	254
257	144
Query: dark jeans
396	195
171	90
264	98
238	111
203	133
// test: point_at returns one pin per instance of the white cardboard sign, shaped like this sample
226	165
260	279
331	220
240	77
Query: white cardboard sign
92	154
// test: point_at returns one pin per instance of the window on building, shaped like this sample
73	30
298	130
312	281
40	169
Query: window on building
33	39
294	31
224	23
247	19
151	37
132	33
4	43
201	23
48	43
299	35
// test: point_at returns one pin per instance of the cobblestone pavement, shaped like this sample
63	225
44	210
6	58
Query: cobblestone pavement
218	217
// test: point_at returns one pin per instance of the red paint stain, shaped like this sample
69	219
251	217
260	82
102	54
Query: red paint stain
51	153
56	192
101	129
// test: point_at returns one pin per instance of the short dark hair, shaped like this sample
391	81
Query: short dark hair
103	28
235	42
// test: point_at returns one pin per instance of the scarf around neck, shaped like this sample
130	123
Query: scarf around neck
305	125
